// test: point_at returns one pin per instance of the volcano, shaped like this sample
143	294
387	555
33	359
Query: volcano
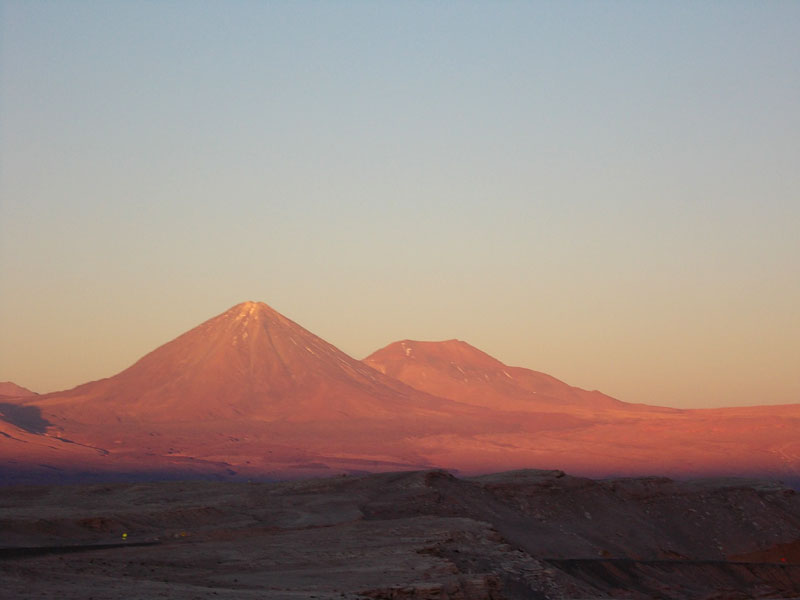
614	437
251	363
250	393
454	369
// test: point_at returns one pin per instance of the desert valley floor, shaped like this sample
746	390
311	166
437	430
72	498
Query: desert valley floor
421	535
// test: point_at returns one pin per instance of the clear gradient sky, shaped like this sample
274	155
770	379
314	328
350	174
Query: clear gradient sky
608	192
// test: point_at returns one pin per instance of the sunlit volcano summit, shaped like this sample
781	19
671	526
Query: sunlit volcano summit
250	393
250	362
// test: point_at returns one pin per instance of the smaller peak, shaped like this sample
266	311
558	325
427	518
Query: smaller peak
453	342
453	350
9	388
420	348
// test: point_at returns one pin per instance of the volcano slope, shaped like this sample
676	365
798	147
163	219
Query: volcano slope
455	369
421	535
608	437
248	393
12	390
251	394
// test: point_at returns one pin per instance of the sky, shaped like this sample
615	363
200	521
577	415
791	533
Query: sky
607	192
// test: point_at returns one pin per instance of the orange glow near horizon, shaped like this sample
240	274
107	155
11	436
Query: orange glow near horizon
606	195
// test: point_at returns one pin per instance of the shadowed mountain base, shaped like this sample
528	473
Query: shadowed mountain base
27	418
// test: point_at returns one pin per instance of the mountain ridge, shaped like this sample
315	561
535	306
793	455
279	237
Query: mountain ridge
456	369
198	373
251	393
12	390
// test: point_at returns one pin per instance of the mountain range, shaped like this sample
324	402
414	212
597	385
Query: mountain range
252	394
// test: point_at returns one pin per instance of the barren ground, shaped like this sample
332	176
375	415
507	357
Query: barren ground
524	534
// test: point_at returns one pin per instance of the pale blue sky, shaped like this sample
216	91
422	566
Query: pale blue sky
604	191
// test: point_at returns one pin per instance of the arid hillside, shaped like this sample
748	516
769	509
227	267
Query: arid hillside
250	394
12	390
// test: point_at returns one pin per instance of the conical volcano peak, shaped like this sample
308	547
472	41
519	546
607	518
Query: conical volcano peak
250	314
248	362
257	333
251	308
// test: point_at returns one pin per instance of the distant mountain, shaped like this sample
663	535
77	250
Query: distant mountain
250	393
12	390
253	389
251	363
454	369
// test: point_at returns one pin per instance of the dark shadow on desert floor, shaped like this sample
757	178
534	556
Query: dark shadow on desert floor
28	418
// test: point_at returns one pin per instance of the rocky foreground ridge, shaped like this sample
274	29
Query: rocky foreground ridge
516	535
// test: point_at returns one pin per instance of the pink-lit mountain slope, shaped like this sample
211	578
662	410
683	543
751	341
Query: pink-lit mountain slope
250	393
249	362
620	438
12	390
456	370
